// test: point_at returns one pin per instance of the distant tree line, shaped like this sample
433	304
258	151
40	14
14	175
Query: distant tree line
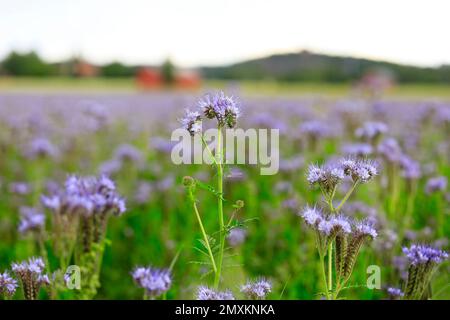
295	67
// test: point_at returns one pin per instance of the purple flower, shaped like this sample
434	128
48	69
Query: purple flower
236	236
358	149
205	293
31	219
436	184
312	216
371	130
8	285
21	188
365	229
359	170
390	150
154	281
224	108
315	129
41	147
410	168
395	293
340	223
31	275
421	254
87	196
126	152
257	290
192	122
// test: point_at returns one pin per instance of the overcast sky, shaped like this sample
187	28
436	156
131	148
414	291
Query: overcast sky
212	32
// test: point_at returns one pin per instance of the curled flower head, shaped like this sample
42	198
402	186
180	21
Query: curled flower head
223	108
31	275
436	184
8	285
365	229
192	122
312	216
257	290
154	281
421	254
327	177
340	224
205	293
359	170
31	220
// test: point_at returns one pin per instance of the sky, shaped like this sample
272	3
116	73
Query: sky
215	32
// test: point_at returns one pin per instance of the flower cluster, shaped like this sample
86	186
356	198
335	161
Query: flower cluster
328	177
31	275
8	285
192	122
205	293
154	281
423	260
420	254
371	130
31	220
436	184
86	196
217	106
257	290
221	107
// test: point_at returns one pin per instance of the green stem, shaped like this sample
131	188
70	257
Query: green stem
330	266
220	205
348	194
205	237
324	275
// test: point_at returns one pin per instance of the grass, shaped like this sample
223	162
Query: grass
265	87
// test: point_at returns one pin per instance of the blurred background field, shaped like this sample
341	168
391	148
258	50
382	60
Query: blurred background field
249	87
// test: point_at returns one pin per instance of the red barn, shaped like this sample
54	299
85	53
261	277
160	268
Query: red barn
149	78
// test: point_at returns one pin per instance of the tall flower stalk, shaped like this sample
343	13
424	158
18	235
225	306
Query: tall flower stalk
226	112
336	233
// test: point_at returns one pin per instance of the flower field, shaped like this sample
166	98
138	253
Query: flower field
93	207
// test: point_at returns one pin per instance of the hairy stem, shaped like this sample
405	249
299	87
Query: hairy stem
347	195
220	205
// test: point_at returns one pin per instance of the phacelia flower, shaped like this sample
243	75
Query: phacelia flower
205	293
327	177
126	152
257	290
192	122
236	236
358	149
41	147
423	260
365	229
436	184
395	293
359	170
420	254
312	216
154	281
224	108
31	275
371	130
31	220
8	285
